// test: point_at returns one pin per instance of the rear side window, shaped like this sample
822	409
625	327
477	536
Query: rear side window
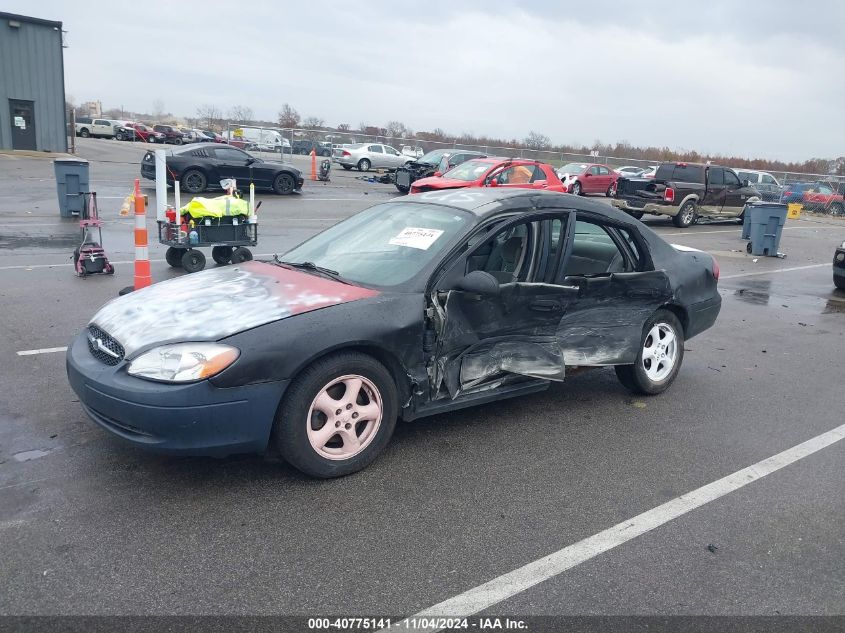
768	179
688	173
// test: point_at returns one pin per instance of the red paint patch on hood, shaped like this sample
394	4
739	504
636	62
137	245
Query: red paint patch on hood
438	182
304	292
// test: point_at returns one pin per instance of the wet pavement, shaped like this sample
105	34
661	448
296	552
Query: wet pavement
88	525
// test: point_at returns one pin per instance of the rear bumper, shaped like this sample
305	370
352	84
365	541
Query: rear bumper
702	316
189	419
655	208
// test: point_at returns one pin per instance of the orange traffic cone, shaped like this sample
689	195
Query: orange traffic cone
143	278
313	164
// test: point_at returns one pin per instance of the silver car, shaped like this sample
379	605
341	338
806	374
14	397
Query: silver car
364	156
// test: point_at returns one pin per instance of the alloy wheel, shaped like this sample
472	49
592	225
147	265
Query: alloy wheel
660	351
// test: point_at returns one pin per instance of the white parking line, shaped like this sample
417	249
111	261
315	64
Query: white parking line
46	350
771	272
670	232
523	578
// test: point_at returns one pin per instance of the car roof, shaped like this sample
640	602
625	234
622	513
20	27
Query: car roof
488	201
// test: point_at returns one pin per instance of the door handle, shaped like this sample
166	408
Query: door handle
546	305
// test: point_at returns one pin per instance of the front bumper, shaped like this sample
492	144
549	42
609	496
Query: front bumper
189	419
839	264
648	207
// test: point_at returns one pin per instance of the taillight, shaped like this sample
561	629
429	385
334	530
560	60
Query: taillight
345	153
669	194
715	269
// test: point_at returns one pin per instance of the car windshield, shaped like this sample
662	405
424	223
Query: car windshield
433	158
573	168
385	245
469	171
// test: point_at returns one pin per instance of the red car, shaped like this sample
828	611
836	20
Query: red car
493	172
148	135
588	178
823	197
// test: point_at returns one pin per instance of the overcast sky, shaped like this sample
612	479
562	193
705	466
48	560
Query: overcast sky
750	78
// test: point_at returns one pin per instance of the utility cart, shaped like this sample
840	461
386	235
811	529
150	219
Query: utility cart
228	241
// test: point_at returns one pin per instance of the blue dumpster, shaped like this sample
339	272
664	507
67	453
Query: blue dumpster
766	220
71	183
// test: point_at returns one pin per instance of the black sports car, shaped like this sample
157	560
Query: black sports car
202	166
439	160
424	304
839	267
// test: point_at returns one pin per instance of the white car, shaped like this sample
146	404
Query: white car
630	171
364	156
413	152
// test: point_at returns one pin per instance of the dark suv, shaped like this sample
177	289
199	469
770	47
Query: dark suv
305	147
171	134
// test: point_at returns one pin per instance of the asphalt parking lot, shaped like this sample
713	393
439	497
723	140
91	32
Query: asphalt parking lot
90	526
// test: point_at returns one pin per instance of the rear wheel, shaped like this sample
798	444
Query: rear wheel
84	133
686	215
173	256
839	282
222	255
241	254
337	415
194	181
193	261
835	209
284	184
660	355
363	165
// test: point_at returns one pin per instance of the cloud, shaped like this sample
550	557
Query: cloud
751	78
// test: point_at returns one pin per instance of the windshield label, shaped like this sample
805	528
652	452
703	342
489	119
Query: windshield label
414	237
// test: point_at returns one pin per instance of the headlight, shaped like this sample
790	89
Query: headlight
183	362
843	245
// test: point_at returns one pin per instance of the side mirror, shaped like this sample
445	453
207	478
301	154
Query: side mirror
587	175
480	283
746	183
250	160
493	183
437	174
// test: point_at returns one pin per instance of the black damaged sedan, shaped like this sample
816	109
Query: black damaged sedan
418	306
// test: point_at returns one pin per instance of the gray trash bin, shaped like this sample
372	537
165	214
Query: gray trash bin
746	223
71	183
766	220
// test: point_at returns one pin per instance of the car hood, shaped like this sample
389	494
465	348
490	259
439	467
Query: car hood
278	164
217	303
439	182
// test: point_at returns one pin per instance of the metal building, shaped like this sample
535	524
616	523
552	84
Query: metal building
32	84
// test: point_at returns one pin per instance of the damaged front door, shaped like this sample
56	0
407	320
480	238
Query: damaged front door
512	331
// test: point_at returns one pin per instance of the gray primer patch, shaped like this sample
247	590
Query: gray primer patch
26	456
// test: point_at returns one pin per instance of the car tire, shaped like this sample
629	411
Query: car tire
659	356
284	184
403	189
364	165
221	255
839	282
194	181
150	139
178	141
296	432
637	215
687	215
118	137
84	133
193	261
835	209
347	167
173	256
576	189
241	255
609	192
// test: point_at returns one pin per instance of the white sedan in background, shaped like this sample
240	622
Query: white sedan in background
364	156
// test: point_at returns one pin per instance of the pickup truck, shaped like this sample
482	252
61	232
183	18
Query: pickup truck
685	192
103	128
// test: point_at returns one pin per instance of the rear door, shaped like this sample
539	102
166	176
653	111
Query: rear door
375	154
714	193
605	179
591	180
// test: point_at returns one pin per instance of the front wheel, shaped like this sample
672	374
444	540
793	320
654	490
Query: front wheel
363	165
686	215
118	136
337	415
403	189
347	167
659	358
576	189
84	133
835	209
284	184
609	192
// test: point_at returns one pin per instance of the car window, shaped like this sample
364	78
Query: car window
716	176
506	255
469	171
767	179
604	171
730	178
375	149
681	172
539	174
825	189
594	252
231	154
515	175
390	150
594	170
573	168
744	175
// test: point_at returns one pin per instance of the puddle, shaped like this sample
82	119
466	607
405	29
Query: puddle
12	242
834	306
756	292
26	456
